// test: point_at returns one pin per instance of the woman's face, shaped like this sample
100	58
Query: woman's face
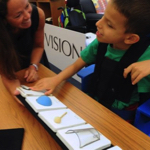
19	14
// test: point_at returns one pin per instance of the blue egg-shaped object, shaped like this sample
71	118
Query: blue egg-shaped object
44	100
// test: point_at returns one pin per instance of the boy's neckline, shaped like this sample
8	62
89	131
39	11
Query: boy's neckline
119	49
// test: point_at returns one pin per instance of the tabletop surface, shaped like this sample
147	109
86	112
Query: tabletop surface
118	131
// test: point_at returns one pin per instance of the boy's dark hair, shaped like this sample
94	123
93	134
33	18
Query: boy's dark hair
8	57
138	14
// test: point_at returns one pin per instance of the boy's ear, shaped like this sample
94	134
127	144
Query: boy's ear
131	39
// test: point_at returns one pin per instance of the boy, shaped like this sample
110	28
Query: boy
124	27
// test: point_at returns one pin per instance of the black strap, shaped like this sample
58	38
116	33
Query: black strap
93	83
133	53
117	85
34	18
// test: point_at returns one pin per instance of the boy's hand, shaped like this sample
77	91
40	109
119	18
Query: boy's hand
138	71
48	84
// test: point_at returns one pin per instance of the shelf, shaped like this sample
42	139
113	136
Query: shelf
45	6
50	8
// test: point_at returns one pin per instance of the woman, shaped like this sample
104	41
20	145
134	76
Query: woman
21	41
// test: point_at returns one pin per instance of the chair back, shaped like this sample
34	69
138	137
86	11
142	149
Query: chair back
87	6
73	3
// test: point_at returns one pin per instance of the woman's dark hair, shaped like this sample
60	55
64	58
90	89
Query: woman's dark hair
138	14
8	57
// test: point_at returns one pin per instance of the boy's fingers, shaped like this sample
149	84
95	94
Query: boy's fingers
126	71
139	77
48	92
134	75
36	88
136	80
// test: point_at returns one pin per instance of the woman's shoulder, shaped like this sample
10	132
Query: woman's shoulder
41	13
37	17
41	17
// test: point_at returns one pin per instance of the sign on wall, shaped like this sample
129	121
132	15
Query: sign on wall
63	46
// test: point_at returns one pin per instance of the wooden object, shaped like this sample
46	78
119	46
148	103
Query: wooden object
50	8
118	131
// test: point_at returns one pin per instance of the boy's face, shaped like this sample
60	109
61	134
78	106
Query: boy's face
111	28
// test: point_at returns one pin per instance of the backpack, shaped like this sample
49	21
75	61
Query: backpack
62	18
72	18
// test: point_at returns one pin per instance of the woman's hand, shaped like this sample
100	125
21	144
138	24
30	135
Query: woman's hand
48	84
31	74
138	71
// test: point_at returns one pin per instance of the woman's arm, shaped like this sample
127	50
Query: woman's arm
38	48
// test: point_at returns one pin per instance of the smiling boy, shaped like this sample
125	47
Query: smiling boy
118	32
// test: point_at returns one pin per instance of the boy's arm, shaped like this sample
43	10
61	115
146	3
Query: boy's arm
138	71
50	83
